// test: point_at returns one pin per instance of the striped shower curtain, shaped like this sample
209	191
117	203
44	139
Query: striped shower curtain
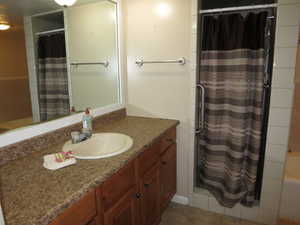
232	71
53	77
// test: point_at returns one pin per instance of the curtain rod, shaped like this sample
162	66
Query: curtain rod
237	8
50	32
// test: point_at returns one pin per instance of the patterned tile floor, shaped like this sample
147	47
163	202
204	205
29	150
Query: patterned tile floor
185	215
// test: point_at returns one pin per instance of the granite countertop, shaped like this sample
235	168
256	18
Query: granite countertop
33	195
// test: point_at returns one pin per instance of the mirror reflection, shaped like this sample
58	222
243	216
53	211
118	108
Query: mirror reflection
55	61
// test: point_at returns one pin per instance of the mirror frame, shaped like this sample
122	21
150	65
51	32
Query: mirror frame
28	132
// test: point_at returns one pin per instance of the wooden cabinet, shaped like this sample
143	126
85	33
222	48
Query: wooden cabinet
168	139
150	197
148	158
93	222
136	195
168	176
125	211
81	213
120	197
118	185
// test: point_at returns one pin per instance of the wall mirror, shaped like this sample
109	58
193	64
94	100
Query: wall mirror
55	61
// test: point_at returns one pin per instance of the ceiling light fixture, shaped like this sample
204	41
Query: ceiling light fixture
4	26
65	2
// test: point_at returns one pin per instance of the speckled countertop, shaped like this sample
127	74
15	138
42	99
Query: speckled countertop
33	195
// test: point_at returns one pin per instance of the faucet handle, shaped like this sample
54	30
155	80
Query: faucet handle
75	137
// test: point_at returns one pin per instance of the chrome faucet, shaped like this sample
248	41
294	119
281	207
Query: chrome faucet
1	217
78	137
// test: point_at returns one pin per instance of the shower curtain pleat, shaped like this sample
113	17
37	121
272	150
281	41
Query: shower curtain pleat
232	72
52	77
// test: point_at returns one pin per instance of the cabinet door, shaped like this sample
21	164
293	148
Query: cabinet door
118	185
80	213
125	211
168	176
148	159
150	197
168	139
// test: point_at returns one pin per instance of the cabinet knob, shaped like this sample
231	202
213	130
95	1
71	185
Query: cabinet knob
164	162
146	185
137	195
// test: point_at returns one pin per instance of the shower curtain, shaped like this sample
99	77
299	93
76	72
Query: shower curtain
52	77
232	72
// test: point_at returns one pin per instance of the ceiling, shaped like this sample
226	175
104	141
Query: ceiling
16	9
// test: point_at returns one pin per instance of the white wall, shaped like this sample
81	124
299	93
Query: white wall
91	36
32	70
32	25
282	104
155	32
14	85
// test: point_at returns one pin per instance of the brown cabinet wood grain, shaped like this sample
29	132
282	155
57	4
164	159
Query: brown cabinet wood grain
80	213
168	139
136	195
150	197
125	211
118	185
168	176
148	158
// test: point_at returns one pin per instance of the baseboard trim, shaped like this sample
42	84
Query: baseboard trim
180	200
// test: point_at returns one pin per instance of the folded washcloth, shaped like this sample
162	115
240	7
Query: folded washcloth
57	161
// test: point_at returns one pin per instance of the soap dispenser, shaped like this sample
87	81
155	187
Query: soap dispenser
87	123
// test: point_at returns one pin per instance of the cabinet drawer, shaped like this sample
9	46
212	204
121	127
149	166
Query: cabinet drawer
168	139
148	158
118	185
80	213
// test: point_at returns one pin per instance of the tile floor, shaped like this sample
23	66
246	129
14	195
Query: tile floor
177	214
185	215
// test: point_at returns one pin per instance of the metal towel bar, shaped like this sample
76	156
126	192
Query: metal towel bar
202	114
141	62
104	63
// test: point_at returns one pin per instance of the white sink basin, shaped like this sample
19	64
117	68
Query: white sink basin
101	145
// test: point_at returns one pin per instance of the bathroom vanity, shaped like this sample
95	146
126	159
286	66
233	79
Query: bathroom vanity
137	194
132	188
